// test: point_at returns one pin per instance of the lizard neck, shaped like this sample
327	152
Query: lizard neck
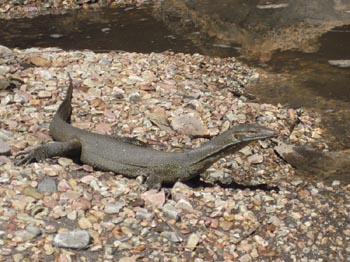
203	157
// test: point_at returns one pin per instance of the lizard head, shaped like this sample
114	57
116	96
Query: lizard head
244	133
249	132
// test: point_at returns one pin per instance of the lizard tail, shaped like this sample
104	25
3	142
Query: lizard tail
64	111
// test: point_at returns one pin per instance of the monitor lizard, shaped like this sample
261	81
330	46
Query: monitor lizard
121	156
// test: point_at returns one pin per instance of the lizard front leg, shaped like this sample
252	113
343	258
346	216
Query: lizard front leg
49	150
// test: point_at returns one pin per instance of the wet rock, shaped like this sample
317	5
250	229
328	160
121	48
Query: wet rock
272	6
5	50
48	185
75	239
189	124
56	36
4	148
340	63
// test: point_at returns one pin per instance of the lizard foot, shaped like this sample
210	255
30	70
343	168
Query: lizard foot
24	157
154	182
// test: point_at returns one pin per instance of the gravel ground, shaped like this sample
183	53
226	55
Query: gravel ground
58	210
250	206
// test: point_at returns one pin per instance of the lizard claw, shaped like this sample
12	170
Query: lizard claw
34	155
29	157
153	182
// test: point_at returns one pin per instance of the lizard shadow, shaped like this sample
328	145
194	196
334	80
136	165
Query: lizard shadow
197	183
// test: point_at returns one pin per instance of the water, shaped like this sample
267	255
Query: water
293	41
131	29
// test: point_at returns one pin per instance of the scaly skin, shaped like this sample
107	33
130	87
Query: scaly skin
131	160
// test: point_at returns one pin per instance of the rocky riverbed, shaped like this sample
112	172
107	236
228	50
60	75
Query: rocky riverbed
249	206
10	9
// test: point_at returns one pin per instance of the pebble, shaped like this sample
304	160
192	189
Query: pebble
184	205
171	236
154	198
114	208
170	211
189	124
44	94
4	148
29	233
48	185
64	161
56	36
5	50
340	63
255	159
40	61
32	192
192	241
77	239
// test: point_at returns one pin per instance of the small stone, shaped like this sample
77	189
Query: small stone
245	258
40	61
63	186
142	213
44	94
255	159
5	50
192	241
74	239
155	198
84	223
4	148
105	30
125	246
134	97
114	208
261	241
89	83
184	205
29	233
340	63
32	192
72	215
18	257
56	36
64	161
171	236
226	225
48	185
190	124
335	183
81	204
170	211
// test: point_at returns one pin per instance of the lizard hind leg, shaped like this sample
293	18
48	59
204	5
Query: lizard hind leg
49	150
